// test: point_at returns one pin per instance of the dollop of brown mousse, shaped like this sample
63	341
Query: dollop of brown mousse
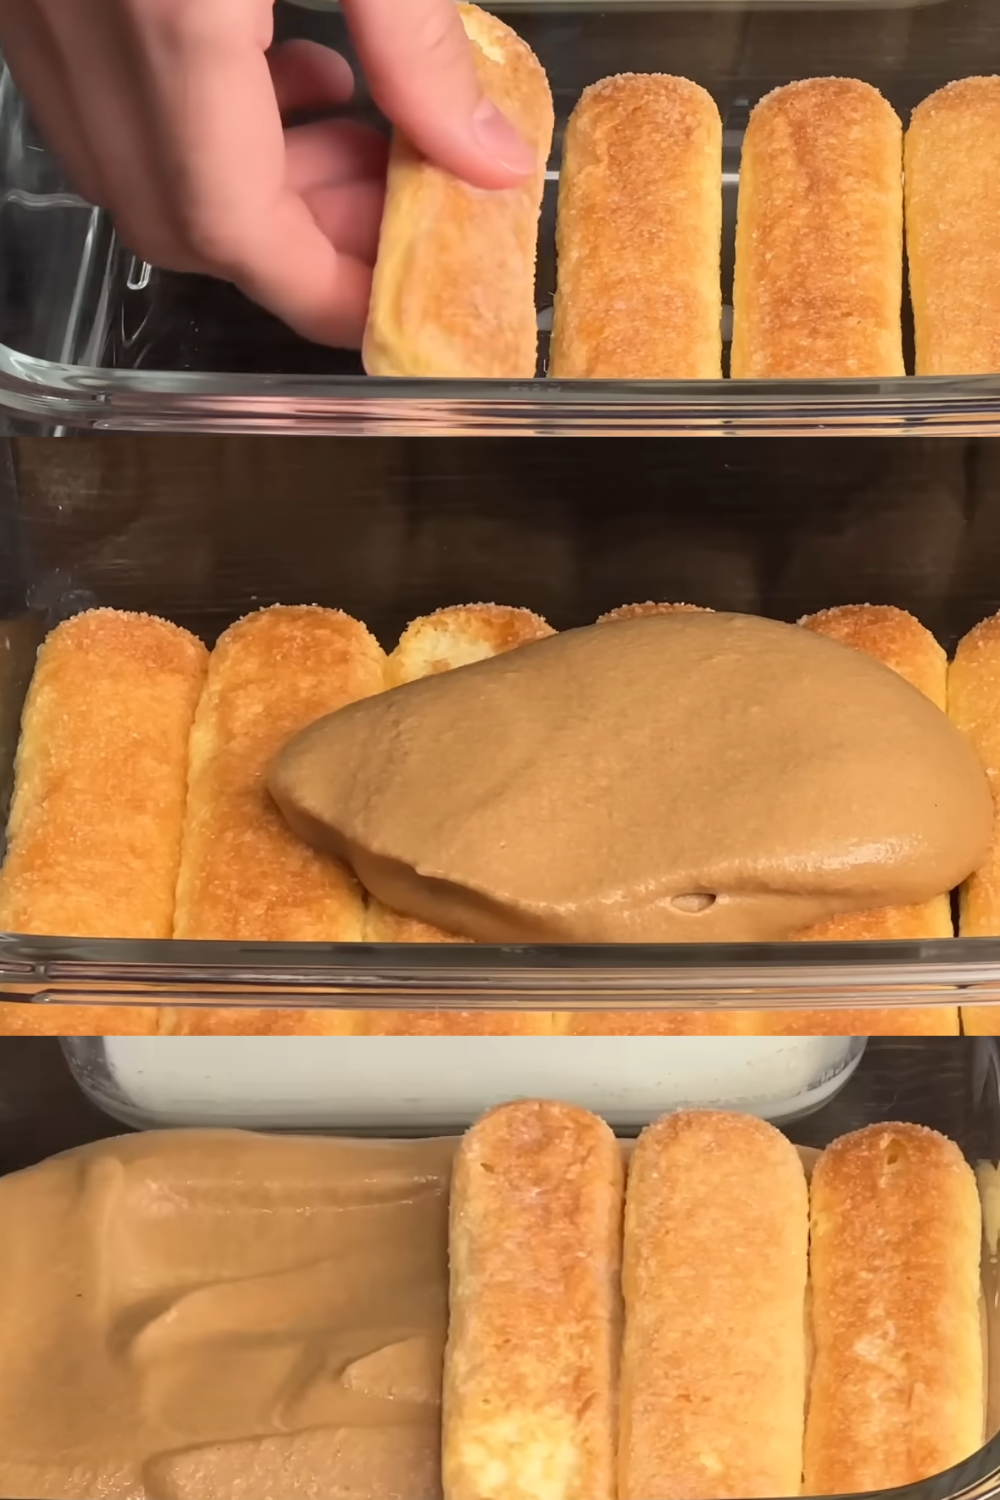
199	1313
676	778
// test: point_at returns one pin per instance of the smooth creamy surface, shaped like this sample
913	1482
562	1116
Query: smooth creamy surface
677	778
215	1316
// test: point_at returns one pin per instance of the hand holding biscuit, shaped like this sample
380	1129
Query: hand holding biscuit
170	114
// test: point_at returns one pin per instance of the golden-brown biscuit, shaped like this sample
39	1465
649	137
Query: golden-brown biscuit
714	1356
896	1391
974	707
81	1020
454	287
101	774
244	875
895	638
891	636
639	236
531	1364
852	1020
94	835
214	1019
899	641
460	635
952	157
980	1020
819	241
649	607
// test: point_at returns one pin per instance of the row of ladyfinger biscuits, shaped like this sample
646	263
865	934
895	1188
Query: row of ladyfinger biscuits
819	251
715	1327
141	810
818	287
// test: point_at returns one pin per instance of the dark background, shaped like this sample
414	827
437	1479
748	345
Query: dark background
202	529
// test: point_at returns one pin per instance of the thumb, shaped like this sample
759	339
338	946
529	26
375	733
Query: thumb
419	65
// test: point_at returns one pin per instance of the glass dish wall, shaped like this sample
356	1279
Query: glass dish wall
951	1086
90	337
424	1085
205	530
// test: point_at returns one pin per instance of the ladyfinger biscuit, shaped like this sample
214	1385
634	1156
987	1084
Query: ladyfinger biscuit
82	1020
980	1020
240	1020
819	239
649	607
639	234
459	636
713	1375
896	1391
531	1361
899	641
974	707
851	1020
454	287
244	875
952	157
454	637
94	837
891	636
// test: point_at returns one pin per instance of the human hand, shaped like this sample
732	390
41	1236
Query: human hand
169	114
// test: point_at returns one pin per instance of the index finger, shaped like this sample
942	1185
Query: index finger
419	64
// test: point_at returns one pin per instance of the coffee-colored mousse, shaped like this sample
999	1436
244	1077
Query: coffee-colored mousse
214	1315
676	778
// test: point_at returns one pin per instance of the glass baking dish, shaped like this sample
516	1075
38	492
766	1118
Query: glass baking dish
424	1085
949	1085
89	337
202	531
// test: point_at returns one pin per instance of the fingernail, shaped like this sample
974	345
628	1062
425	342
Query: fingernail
501	140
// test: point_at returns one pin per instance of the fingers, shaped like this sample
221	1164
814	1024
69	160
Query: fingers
309	77
350	216
296	273
419	65
333	151
245	216
100	110
46	89
181	107
241	213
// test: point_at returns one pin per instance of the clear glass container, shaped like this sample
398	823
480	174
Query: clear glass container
91	338
949	1085
204	530
424	1085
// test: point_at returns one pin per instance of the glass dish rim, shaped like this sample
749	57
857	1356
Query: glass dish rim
350	976
46	390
